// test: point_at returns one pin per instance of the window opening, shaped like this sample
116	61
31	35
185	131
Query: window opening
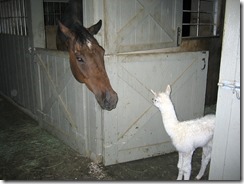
200	18
13	18
53	11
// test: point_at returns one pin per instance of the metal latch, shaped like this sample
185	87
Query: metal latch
234	86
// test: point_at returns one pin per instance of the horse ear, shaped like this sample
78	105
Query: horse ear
66	31
95	28
168	90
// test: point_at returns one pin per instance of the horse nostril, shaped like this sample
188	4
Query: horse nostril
110	100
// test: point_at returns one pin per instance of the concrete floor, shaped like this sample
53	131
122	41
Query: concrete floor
28	152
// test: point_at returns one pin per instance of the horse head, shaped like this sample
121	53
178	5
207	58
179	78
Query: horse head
87	62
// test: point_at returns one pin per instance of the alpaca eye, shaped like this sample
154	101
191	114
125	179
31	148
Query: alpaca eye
154	100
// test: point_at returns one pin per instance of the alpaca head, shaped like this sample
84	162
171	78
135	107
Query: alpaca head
159	98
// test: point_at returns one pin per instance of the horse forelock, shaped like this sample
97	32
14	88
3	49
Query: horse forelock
82	35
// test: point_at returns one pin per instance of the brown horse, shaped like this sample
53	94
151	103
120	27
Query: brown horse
87	60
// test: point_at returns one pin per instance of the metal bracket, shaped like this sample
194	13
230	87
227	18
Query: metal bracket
204	66
234	86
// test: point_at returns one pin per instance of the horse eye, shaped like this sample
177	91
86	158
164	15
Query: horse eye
80	59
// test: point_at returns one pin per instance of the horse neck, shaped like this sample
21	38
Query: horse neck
169	117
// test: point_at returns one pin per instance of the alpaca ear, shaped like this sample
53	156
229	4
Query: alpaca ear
153	92
168	90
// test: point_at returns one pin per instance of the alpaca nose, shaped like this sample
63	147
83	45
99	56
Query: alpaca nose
154	100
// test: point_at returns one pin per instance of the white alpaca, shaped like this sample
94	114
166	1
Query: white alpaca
186	136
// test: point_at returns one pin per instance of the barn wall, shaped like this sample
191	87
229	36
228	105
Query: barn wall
16	69
17	76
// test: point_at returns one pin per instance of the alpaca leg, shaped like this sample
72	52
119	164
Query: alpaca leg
179	165
206	155
187	157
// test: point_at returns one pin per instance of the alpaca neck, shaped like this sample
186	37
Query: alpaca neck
169	117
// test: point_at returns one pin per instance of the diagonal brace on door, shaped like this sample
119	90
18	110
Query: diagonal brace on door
53	88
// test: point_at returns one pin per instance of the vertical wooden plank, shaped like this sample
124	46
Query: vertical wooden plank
225	162
38	29
233	151
110	119
231	38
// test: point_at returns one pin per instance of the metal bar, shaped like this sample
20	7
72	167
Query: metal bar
200	24
230	85
234	86
19	19
1	19
10	17
6	14
194	37
24	18
189	11
207	1
198	16
215	17
5	17
16	18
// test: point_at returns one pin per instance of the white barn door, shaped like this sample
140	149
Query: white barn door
225	163
137	25
135	130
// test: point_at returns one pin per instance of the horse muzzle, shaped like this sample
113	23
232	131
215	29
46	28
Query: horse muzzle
108	100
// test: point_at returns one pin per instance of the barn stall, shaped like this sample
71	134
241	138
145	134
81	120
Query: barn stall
46	87
144	50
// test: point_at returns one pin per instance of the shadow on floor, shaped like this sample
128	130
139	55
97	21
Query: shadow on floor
28	152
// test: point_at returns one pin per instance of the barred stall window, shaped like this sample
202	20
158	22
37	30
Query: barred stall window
53	11
200	18
13	18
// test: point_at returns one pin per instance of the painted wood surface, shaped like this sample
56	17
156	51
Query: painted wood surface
226	155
